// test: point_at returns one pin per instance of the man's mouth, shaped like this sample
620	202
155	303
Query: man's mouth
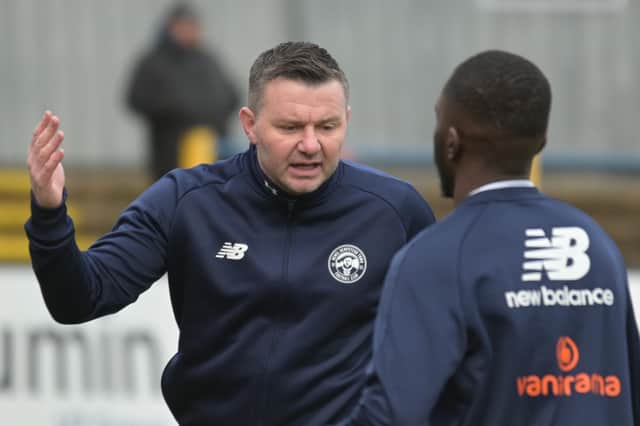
305	166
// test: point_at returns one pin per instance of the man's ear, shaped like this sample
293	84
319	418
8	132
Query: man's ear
348	115
248	121
453	145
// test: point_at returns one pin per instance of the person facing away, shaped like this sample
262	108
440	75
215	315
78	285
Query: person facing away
179	86
515	309
275	256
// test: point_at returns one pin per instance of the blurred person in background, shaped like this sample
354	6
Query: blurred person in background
182	92
275	257
515	309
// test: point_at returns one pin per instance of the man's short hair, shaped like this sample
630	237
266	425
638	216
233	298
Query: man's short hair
300	61
503	90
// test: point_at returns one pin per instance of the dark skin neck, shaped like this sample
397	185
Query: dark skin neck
474	174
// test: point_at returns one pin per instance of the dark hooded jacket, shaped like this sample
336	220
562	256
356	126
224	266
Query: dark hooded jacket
175	89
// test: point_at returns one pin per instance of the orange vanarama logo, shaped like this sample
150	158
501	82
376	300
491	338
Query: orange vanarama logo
567	353
568	356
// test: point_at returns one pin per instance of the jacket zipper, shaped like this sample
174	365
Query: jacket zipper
262	413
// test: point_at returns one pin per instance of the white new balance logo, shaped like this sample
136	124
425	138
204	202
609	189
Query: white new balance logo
563	257
233	251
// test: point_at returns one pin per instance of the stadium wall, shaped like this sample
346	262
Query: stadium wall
74	56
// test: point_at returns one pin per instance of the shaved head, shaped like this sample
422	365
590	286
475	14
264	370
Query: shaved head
502	101
504	91
491	120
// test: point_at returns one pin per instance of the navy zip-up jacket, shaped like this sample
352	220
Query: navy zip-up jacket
512	311
274	298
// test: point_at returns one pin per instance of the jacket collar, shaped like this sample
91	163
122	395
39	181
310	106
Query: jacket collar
501	184
502	194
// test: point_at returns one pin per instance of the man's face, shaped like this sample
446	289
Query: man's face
298	132
445	168
186	32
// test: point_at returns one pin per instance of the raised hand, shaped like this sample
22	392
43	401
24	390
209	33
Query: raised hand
44	161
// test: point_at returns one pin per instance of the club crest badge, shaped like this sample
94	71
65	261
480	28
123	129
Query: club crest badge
347	264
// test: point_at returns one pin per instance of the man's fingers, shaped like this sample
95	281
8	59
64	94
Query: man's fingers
41	126
40	149
45	153
51	146
50	166
51	128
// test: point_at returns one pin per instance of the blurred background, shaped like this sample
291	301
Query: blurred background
76	58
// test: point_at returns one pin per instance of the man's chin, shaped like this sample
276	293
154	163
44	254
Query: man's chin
446	191
446	184
300	188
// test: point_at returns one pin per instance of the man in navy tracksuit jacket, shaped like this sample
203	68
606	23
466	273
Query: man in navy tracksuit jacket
275	257
515	309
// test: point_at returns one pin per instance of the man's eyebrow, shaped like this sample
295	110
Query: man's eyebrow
288	120
294	120
330	119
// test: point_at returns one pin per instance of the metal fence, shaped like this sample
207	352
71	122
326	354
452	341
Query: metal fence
74	56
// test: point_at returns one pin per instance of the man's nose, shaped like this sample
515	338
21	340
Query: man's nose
309	143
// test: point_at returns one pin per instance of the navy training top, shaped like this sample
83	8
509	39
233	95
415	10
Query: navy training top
275	298
512	311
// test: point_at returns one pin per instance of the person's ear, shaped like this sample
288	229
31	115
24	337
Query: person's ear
248	121
348	113
453	145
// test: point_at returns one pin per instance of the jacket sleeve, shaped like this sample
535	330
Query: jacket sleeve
417	213
151	93
224	98
79	286
419	340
